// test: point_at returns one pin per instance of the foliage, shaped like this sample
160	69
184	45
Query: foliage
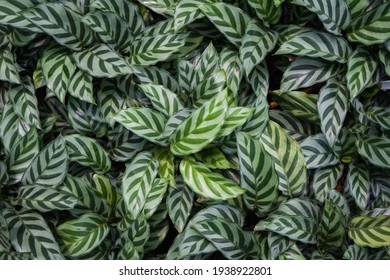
188	129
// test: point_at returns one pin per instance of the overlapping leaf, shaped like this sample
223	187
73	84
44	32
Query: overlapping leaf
375	149
371	232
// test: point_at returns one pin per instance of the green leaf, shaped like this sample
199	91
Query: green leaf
200	128
44	199
213	158
278	244
206	183
148	50
357	7
144	122
230	20
167	166
208	88
54	18
259	79
101	62
317	152
289	31
135	230
158	76
193	243
257	173
317	44
325	179
81	87
229	239
339	199
267	11
111	29
137	182
355	252
58	68
334	15
22	155
375	149
332	226
371	28
80	236
187	11
29	232
8	67
358	182
110	101
230	62
87	152
207	65
332	109
126	10
379	115
288	158
370	232
235	117
25	102
49	167
361	68
257	42
128	252
179	204
164	100
105	189
11	14
304	72
155	196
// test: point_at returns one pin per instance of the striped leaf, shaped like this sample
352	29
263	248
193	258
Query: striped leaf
187	11
179	204
357	7
358	182
207	65
111	29
259	79
4	178
44	199
317	44
128	252
11	13
81	87
137	182
125	145
208	88
144	122
110	101
289	31
101	62
293	253
288	157
49	167
164	100
136	230
355	252
80	236
54	18
257	174
375	149
88	199
206	183
14	256
193	243
267	11
304	72
232	241
22	155
8	67
380	115
230	20
235	117
87	152
126	10
25	102
334	15
278	244
200	128
340	200
58	68
257	42
371	28
230	62
213	158
5	245
105	189
317	152
167	168
361	68
157	76
155	196
29	232
332	226
149	50
332	107
325	179
370	232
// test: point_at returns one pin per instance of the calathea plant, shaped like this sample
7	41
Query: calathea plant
194	129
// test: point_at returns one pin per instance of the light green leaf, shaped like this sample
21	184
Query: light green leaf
228	19
135	230
278	244
267	11
158	76
317	44
8	67
355	252
81	87
358	182
155	196
213	158
371	28
332	226
208	88
87	152
29	232
187	11
230	62
11	14
206	183
200	128
49	167
207	65
100	61
102	185
124	144
357	7
137	182
110	101
370	232
325	179
235	117
257	173
375	149
167	168
80	236
380	115
257	42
